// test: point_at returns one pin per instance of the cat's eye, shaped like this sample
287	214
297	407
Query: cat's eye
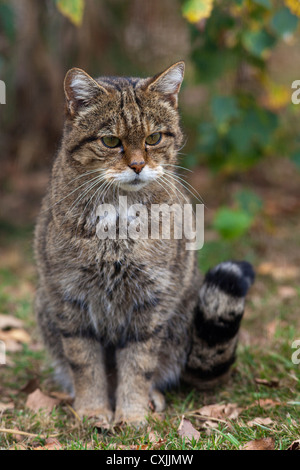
153	139
111	141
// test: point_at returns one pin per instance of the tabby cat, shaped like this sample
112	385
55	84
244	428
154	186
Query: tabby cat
126	318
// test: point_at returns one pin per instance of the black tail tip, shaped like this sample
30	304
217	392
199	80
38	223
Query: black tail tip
247	270
232	277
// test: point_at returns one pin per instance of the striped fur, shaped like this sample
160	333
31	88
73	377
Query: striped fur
124	318
217	320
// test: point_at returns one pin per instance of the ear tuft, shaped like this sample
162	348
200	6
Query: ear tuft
169	81
80	89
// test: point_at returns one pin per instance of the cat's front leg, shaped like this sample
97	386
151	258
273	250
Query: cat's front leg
136	363
86	359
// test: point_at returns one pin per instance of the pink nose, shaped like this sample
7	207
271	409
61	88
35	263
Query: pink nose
137	167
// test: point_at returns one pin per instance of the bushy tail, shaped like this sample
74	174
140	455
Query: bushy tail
216	323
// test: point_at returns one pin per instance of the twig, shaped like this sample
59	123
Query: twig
28	434
74	412
205	418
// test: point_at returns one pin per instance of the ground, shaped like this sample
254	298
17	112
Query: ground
262	399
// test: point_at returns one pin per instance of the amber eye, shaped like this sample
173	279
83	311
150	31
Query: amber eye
111	141
153	139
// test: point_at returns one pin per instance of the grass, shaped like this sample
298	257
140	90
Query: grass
265	382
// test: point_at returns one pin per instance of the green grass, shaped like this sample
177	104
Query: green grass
260	356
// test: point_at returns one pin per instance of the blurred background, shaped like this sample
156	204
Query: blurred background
240	115
242	142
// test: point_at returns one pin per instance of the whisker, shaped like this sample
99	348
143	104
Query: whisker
103	184
174	186
168	187
177	166
85	192
76	189
179	179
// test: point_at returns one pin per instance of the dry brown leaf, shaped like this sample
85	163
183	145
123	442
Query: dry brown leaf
265	403
279	273
220	411
18	447
258	421
51	444
62	397
156	441
271	328
16	334
37	400
272	383
6	406
10	346
266	443
9	321
187	430
287	292
294	445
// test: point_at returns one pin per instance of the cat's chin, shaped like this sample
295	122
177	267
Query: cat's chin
133	186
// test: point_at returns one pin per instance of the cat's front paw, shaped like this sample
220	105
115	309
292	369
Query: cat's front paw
157	399
134	418
101	413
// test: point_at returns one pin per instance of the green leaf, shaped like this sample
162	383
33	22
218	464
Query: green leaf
224	109
258	43
196	10
7	20
249	201
295	157
72	9
208	137
232	223
212	62
284	22
264	3
256	128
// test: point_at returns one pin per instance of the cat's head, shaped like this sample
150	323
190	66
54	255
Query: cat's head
128	128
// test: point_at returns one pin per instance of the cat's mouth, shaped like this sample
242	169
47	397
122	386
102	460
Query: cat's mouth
135	184
130	181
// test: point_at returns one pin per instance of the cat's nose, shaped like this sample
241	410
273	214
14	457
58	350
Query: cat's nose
137	166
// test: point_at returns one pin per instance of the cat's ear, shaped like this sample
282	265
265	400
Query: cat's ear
168	83
80	90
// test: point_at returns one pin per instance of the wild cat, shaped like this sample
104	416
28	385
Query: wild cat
126	318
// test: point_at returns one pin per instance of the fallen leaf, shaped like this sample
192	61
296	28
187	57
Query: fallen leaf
51	444
10	345
272	383
6	406
37	400
279	273
266	443
220	411
62	397
8	321
156	442
294	445
18	447
16	334
187	430
265	403
258	421
271	328
287	292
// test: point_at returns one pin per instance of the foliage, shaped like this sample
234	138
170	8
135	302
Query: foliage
233	223
72	9
196	10
230	52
